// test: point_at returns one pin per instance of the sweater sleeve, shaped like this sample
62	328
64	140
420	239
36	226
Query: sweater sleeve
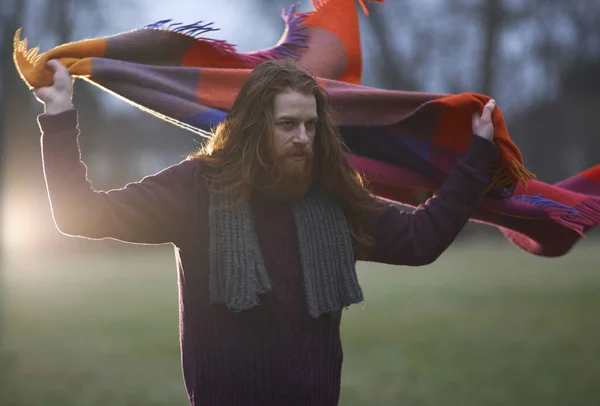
151	211
420	237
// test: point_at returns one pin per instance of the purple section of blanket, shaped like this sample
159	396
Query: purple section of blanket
580	184
154	47
170	91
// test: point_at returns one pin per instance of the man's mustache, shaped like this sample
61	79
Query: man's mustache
300	151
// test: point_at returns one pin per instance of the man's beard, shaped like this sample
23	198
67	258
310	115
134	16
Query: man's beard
289	179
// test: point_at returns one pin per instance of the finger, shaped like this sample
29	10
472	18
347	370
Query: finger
475	121
41	94
55	66
488	109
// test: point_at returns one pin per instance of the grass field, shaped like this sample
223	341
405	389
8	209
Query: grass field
479	327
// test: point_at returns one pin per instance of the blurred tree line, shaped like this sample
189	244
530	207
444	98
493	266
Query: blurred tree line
539	59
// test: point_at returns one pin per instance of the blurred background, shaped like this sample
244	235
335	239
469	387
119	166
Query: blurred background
95	322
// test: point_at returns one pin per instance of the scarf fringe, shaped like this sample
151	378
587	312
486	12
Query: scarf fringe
519	172
588	216
23	57
580	217
20	49
293	37
506	174
195	30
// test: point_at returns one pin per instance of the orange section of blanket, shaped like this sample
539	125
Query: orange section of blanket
454	129
31	65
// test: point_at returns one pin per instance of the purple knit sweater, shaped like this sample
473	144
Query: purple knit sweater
275	353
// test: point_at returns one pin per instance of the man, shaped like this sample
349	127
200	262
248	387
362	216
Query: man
268	220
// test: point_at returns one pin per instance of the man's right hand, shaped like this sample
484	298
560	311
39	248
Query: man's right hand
482	125
58	97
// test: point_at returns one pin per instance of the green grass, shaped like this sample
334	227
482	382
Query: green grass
478	327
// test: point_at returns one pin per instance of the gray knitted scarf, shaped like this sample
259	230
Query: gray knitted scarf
237	271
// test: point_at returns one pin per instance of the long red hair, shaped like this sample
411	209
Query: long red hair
241	147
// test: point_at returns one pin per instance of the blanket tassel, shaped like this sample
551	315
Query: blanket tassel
587	216
580	217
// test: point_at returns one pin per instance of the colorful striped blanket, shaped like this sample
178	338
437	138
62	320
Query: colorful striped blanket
404	142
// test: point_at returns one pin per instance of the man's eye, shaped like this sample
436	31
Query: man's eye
287	124
311	125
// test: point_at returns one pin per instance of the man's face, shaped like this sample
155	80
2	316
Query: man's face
295	117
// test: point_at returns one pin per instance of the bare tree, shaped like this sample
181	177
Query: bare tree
493	16
13	98
11	13
392	68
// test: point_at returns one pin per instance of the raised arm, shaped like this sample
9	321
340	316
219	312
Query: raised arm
420	237
152	211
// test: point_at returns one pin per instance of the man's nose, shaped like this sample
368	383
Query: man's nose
301	136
